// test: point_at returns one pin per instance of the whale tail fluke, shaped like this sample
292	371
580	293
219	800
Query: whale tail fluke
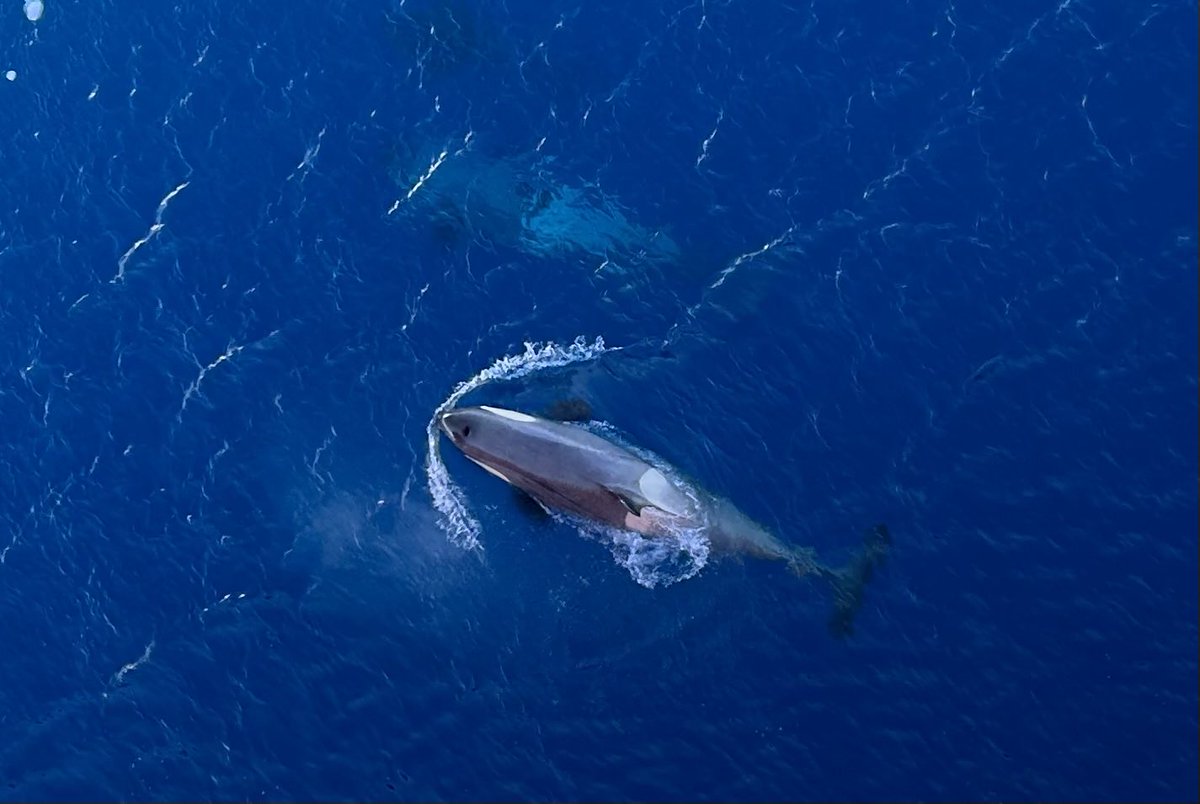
849	581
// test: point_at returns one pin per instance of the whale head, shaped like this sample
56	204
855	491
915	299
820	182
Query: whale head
482	427
497	439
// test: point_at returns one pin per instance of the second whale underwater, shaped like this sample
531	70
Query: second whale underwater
568	468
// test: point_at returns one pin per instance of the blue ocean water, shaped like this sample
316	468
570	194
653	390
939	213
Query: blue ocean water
927	263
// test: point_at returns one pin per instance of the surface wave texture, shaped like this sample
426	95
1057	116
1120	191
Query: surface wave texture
930	263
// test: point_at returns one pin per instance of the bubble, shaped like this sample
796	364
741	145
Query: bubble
33	10
11	75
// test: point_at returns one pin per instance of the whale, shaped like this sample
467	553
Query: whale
568	468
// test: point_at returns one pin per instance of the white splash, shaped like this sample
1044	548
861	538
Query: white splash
456	519
34	10
662	560
126	669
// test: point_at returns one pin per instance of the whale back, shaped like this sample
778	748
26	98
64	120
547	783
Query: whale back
564	466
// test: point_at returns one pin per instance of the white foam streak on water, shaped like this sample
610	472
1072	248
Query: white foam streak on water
662	560
461	527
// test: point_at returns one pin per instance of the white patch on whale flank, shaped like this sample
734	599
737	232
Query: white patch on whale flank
491	470
516	416
659	492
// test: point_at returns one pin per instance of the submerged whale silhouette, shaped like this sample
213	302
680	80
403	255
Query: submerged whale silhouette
566	467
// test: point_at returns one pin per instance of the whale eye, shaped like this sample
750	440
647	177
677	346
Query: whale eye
466	431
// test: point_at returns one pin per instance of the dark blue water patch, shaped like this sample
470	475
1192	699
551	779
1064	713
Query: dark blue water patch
964	305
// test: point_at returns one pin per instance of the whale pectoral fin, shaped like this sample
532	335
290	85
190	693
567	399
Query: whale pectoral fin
631	505
642	516
529	505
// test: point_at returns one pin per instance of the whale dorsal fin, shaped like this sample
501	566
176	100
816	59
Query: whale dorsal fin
572	409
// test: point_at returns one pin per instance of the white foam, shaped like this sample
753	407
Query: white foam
126	669
654	561
11	75
34	10
461	527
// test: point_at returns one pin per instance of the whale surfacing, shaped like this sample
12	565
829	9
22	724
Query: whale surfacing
568	468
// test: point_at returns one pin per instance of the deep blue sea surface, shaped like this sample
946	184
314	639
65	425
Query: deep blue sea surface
929	263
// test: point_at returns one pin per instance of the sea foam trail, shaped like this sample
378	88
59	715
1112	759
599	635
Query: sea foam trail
461	527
